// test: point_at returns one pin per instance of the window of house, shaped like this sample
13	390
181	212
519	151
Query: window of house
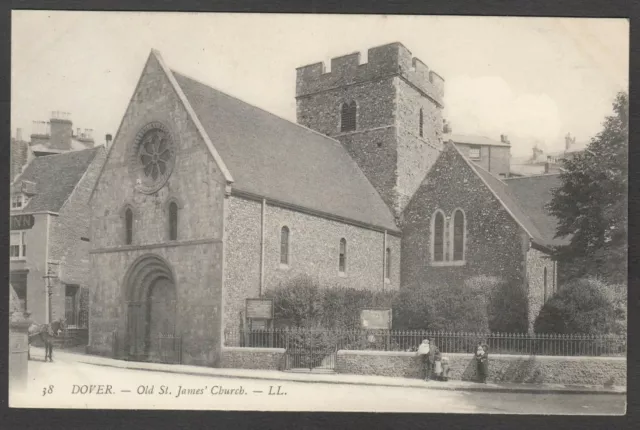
474	153
544	273
342	263
17	246
71	302
173	221
128	220
387	268
284	245
458	235
17	201
421	123
348	116
438	237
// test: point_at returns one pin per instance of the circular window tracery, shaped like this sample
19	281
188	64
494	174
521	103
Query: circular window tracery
152	157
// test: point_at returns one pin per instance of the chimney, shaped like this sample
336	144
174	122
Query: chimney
107	139
504	139
61	130
446	128
19	135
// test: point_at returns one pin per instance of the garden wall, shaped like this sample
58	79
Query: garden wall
502	368
253	358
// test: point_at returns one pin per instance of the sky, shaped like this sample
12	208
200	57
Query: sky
533	79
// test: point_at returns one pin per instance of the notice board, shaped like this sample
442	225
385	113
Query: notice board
376	319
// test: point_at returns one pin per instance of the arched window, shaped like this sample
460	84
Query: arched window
342	263
284	245
421	123
128	221
348	116
438	237
387	268
545	284
458	235
173	221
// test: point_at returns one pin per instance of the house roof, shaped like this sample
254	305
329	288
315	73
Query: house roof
470	139
526	207
277	159
55	176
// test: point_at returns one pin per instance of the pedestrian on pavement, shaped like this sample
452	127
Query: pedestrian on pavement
424	352
437	364
482	362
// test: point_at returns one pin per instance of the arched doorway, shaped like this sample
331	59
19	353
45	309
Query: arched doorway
151	309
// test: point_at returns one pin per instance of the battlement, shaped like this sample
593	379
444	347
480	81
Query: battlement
393	59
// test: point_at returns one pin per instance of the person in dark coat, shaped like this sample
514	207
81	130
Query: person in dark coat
482	362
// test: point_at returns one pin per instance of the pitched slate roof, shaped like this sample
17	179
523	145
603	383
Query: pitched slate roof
533	193
525	206
277	159
55	176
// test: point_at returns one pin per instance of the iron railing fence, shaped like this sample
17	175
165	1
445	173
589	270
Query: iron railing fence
447	342
162	348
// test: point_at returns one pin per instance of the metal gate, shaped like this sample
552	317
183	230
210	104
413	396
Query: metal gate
310	350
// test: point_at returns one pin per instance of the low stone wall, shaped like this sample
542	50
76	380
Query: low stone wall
253	358
502	368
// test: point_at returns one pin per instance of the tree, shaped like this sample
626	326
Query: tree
591	204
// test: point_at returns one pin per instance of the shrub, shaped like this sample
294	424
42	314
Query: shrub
441	308
506	304
584	306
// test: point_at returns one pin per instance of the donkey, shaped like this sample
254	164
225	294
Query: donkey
46	333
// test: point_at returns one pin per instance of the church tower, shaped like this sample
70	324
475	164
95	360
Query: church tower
386	112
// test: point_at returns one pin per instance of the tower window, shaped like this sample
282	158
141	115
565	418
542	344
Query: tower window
438	237
173	221
458	235
284	245
342	263
128	220
348	116
421	123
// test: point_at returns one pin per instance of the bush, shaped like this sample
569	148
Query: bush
584	306
441	308
506	304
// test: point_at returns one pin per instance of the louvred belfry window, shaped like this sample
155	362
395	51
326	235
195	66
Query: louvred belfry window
128	220
342	263
348	116
421	123
173	221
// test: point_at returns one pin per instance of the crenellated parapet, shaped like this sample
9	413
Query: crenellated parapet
383	61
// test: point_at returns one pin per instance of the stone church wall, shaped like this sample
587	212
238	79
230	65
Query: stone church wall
495	244
197	185
314	245
537	261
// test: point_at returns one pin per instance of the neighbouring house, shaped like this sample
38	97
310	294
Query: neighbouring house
464	221
49	222
494	156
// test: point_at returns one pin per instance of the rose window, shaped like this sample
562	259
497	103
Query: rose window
152	158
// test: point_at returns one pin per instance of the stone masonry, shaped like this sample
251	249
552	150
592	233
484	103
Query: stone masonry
313	250
389	91
195	259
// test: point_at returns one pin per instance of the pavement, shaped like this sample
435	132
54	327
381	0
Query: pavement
335	378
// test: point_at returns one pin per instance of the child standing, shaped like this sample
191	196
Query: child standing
482	361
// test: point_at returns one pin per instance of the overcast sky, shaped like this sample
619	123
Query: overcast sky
534	79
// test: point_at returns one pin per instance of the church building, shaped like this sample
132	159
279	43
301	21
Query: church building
205	201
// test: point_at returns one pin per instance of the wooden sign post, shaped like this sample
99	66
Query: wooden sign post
377	319
259	313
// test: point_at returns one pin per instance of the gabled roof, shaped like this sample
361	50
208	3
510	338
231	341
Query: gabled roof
533	194
271	157
55	176
526	208
470	139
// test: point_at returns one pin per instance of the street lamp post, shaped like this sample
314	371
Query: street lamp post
50	275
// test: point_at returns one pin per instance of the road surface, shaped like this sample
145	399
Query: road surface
68	384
